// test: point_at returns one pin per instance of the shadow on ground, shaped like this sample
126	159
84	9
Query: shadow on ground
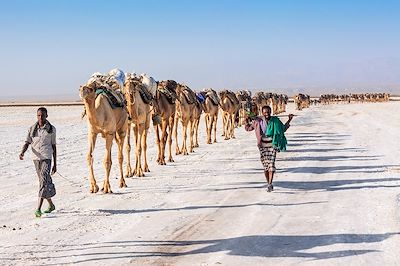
268	246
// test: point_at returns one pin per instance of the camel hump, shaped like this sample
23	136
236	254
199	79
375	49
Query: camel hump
232	97
189	94
168	88
212	95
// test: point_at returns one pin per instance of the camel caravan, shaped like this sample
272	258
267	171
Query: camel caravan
354	97
119	103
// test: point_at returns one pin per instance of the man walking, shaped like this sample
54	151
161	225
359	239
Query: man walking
270	139
42	137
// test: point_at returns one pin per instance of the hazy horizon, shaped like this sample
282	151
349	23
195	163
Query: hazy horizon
290	92
52	47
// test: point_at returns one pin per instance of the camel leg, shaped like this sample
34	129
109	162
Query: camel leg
137	142
163	142
144	145
92	143
177	150
120	137
129	172
158	142
139	170
196	132
208	121
226	126
233	118
224	122
214	124
191	128
170	128
107	163
184	134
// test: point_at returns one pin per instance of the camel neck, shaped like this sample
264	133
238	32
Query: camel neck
91	111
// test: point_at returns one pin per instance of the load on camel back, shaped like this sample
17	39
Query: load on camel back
110	85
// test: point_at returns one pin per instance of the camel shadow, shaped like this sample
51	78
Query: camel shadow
197	207
330	158
317	150
335	185
336	169
264	246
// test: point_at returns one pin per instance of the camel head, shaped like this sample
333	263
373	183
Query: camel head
88	91
131	86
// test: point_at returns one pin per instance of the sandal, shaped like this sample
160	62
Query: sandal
38	213
50	209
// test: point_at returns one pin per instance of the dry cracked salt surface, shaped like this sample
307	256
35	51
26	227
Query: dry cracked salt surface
336	199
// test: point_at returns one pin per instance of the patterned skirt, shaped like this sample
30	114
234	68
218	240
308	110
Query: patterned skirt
46	186
268	156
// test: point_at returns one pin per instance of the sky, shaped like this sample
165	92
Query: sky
53	47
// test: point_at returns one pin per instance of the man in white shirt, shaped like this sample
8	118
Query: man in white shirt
42	137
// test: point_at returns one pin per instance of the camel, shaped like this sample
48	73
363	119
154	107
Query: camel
210	107
229	107
196	120
164	107
302	101
185	113
244	98
261	99
110	123
139	112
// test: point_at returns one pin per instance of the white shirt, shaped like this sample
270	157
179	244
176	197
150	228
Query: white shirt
42	142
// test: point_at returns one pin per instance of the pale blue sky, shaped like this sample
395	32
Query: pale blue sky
52	47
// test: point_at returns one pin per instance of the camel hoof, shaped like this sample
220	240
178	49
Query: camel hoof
106	191
94	189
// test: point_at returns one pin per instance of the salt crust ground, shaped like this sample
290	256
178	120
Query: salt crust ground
335	200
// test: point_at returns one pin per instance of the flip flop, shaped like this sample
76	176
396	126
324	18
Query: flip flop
50	209
38	213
